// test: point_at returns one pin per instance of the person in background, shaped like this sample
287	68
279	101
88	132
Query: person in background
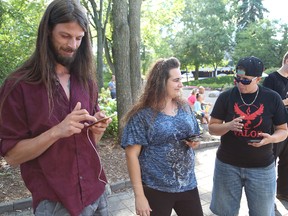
243	116
112	87
160	161
192	98
201	90
203	113
46	106
278	81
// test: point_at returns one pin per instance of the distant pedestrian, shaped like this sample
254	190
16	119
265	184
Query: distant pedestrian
201	90
112	87
192	98
201	110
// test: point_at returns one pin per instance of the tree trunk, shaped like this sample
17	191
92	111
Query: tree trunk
99	22
100	47
135	40
121	49
108	55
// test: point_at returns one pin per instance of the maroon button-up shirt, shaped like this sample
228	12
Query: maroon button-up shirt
70	171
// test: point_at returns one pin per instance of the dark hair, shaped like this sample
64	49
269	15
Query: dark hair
155	88
40	67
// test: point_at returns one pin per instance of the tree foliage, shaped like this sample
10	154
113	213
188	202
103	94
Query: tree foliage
199	33
205	35
99	13
258	39
19	20
158	29
248	11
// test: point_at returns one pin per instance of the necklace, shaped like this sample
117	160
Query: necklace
252	101
175	110
171	111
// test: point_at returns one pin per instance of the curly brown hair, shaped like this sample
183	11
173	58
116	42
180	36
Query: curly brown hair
154	94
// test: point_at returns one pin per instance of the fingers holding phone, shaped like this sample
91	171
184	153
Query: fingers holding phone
193	144
101	124
193	141
73	122
255	142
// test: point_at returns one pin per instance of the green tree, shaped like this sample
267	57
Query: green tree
18	23
99	13
158	29
215	30
258	39
248	11
283	43
206	34
126	52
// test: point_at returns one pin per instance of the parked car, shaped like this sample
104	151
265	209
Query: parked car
189	75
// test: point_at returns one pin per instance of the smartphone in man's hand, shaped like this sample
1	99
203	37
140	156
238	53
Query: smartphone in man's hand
101	120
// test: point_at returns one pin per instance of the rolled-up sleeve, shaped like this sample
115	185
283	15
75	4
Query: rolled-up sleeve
13	126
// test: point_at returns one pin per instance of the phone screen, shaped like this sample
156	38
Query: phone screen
254	141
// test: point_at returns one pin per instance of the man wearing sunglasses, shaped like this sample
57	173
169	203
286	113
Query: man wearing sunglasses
278	81
243	116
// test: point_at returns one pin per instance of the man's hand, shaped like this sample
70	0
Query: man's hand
73	123
100	127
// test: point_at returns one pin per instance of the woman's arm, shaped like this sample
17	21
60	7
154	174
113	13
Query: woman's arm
279	135
141	202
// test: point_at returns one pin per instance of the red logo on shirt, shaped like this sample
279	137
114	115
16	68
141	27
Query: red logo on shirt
250	116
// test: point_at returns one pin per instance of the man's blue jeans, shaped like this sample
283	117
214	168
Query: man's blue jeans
259	185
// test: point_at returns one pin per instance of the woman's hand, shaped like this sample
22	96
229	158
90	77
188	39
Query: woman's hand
142	206
279	135
236	125
192	144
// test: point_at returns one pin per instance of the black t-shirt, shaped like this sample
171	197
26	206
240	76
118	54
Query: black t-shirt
267	110
277	83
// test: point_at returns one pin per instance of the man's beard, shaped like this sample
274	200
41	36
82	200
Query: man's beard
65	61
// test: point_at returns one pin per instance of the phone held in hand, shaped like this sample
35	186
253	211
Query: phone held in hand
101	120
193	138
254	140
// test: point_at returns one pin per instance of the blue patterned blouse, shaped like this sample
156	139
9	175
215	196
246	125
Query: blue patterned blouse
167	164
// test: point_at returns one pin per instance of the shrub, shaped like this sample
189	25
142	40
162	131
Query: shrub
109	106
221	82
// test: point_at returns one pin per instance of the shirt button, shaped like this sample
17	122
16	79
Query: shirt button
81	178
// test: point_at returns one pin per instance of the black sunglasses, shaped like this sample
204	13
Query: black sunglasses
244	81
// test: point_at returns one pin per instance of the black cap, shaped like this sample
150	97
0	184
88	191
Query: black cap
252	66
